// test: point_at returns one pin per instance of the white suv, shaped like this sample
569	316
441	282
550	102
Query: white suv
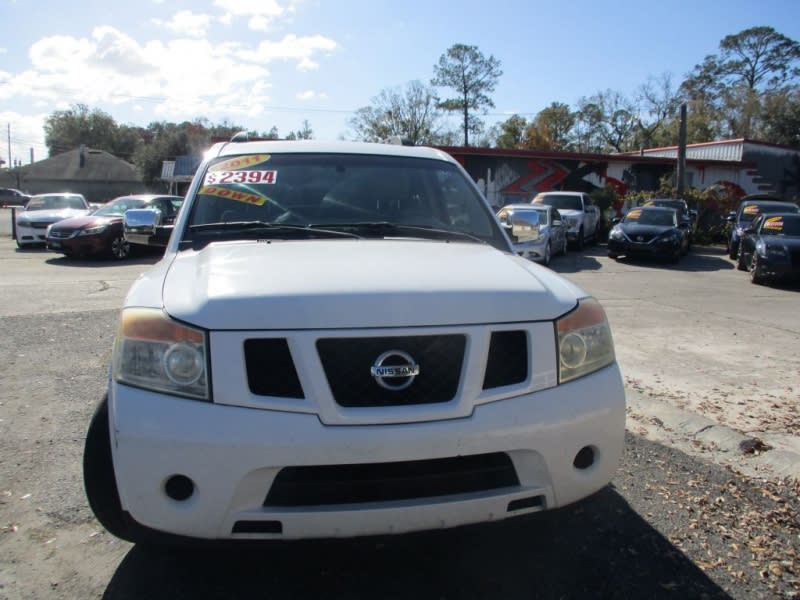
339	342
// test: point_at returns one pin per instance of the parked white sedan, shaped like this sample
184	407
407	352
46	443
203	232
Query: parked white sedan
42	211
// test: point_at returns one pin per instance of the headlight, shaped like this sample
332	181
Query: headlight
156	353
672	236
616	234
93	230
22	222
584	341
777	251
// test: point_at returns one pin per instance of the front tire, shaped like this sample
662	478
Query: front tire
547	255
741	265
120	249
579	243
564	247
613	255
99	481
733	250
755	273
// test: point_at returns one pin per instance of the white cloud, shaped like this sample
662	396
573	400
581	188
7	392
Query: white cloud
188	23
260	13
27	132
3	50
310	95
291	47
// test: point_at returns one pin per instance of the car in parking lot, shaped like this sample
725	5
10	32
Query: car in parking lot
551	239
101	231
770	247
749	208
685	219
339	341
13	197
43	210
648	231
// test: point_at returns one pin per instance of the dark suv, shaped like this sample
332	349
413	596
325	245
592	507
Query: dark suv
749	208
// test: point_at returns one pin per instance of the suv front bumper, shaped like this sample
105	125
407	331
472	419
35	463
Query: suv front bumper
233	454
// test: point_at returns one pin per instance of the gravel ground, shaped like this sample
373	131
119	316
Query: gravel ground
670	526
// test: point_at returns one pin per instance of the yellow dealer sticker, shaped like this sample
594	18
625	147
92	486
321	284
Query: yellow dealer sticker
229	194
649	203
751	210
635	214
774	223
240	162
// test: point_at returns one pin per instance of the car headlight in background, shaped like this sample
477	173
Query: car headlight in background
156	353
616	234
93	230
769	251
584	341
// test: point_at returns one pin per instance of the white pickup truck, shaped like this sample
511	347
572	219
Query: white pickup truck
339	342
582	216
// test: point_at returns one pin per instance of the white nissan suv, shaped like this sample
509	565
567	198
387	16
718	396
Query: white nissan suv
339	342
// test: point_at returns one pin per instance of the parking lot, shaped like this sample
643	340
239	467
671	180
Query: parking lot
696	341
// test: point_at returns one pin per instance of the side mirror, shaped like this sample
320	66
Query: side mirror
749	230
143	226
524	227
557	222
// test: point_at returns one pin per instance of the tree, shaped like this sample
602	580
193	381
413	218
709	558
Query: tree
304	133
473	76
551	129
608	122
751	66
782	117
410	112
78	125
660	101
511	132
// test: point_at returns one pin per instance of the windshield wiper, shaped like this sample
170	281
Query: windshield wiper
388	229
234	228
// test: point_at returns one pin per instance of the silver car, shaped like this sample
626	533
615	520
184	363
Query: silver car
552	238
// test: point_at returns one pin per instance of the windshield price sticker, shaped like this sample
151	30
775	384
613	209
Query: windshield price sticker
774	223
229	194
649	203
635	214
751	210
240	162
229	177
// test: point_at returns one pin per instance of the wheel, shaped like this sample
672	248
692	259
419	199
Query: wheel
564	246
120	249
755	273
580	241
98	476
613	255
740	262
547	255
733	249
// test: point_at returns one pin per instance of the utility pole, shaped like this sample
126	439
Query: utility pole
681	184
9	146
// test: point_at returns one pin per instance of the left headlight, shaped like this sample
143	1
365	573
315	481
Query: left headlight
584	341
156	353
93	230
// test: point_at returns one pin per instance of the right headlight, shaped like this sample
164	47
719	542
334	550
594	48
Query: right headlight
156	353
584	341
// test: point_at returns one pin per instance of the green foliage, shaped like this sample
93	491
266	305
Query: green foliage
68	129
473	77
511	132
551	129
410	112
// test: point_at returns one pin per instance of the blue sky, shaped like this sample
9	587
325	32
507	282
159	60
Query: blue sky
261	63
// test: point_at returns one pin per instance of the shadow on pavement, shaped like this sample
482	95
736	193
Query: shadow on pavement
147	257
598	548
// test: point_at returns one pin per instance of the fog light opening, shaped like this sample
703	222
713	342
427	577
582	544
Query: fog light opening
179	487
584	458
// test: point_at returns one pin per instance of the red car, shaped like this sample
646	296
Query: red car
101	231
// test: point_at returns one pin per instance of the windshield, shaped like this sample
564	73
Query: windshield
786	225
651	217
338	192
560	201
117	208
676	204
55	202
751	211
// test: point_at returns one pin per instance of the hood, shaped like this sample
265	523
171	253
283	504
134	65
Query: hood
86	221
792	242
359	283
50	216
632	229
